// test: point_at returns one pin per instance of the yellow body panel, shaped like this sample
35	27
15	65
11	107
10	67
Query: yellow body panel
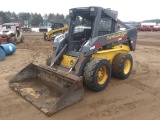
67	61
51	32
111	53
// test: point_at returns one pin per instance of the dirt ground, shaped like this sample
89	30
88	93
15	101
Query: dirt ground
137	98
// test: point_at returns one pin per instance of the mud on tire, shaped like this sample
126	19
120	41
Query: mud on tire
91	74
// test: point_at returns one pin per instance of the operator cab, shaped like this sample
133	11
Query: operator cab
56	26
94	21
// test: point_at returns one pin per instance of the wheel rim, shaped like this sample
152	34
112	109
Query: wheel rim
127	66
102	75
52	38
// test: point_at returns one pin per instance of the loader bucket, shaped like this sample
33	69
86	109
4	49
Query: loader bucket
48	89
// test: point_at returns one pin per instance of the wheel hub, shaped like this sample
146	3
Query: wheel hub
127	66
102	75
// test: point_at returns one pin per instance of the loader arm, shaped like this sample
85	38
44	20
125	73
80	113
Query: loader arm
57	28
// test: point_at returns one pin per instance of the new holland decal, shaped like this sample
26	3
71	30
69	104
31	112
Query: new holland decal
117	35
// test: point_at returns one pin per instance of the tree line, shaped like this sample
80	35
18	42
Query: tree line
33	19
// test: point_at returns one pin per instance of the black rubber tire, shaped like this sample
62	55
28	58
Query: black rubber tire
118	65
22	39
12	40
45	37
52	38
91	72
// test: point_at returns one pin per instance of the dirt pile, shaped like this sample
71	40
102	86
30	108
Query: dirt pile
137	98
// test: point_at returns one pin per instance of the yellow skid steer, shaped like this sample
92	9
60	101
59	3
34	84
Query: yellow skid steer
90	56
56	29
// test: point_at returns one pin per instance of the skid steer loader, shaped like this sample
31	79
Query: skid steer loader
56	29
89	57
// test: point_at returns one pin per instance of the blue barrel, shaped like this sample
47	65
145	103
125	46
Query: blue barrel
2	54
8	48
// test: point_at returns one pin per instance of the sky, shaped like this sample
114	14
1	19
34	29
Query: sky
135	10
